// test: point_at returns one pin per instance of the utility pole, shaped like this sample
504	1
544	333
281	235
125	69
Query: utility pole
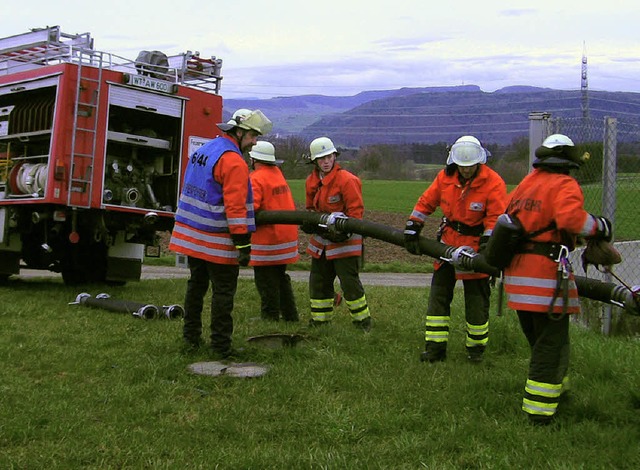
584	93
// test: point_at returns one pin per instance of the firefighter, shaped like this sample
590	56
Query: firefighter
549	206
330	188
273	246
213	226
471	196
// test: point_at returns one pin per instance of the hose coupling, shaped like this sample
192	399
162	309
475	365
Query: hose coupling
462	258
334	221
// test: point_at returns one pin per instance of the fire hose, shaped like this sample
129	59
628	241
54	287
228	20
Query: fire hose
137	309
463	257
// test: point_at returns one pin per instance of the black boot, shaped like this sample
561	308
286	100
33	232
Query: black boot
475	354
434	352
364	325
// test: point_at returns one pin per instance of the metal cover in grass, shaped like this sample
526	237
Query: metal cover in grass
242	369
276	340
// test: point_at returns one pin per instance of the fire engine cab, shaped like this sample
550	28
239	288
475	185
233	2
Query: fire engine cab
91	151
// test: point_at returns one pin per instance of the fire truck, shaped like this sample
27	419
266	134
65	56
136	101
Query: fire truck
92	151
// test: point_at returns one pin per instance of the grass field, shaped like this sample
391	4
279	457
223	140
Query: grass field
385	196
86	388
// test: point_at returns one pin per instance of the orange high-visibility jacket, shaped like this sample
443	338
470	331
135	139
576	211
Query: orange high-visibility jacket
541	198
478	202
272	244
339	191
232	172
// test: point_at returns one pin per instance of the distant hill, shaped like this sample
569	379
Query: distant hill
430	115
291	114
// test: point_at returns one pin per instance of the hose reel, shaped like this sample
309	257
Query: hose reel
28	178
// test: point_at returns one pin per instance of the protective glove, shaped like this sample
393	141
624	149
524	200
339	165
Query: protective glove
600	253
605	228
484	239
412	231
309	228
243	245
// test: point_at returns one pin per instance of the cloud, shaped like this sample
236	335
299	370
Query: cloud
518	12
408	44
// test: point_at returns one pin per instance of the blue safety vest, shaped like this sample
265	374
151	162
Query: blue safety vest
201	202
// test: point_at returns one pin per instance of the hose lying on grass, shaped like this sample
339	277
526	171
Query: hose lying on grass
137	309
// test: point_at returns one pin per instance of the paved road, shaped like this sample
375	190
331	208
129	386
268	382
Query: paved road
168	272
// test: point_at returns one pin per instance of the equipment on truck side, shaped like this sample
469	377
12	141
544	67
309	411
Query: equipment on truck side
92	147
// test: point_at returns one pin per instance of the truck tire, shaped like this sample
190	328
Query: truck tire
84	264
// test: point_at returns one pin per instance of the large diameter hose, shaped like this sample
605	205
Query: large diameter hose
137	309
462	257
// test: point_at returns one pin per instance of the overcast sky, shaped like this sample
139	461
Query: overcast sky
342	47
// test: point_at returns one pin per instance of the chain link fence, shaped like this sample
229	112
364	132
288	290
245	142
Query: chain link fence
610	179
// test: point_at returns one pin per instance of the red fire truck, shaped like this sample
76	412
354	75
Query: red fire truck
91	151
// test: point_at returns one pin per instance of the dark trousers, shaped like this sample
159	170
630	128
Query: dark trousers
224	282
323	274
548	337
477	294
321	278
276	293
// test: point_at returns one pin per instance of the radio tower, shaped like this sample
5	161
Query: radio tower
584	86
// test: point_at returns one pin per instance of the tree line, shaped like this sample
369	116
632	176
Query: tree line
420	161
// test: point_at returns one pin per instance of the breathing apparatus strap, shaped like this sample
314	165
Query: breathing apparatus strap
562	283
460	227
559	254
549	249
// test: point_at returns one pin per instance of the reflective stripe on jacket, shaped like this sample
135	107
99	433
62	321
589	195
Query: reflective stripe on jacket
209	246
273	244
478	202
339	191
541	198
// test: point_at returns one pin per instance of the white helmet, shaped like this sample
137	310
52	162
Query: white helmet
554	140
467	151
321	147
558	150
264	152
250	120
240	114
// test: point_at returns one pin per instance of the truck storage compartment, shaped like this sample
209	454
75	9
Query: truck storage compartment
26	122
143	150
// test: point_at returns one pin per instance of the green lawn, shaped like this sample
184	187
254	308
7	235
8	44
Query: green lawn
87	388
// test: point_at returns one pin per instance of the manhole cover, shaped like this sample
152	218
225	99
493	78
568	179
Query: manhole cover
276	340
208	368
246	370
242	369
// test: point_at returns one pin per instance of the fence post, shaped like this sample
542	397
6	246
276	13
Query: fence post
609	173
538	131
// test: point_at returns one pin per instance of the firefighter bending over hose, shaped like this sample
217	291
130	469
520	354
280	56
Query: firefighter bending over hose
548	207
273	246
213	226
471	196
330	188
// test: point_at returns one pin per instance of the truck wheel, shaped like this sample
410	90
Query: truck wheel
74	277
85	264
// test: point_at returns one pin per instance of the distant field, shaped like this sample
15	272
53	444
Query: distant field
385	196
400	197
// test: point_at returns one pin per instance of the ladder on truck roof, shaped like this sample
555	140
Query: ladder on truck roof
85	128
41	46
50	46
